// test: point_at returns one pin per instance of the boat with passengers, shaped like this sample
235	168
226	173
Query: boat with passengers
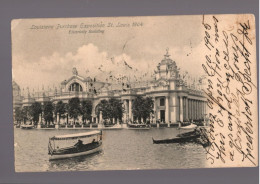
84	143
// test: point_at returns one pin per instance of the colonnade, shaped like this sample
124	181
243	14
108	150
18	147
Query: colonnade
189	109
196	109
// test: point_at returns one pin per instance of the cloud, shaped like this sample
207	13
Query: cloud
90	61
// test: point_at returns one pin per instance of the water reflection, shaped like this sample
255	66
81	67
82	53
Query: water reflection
68	163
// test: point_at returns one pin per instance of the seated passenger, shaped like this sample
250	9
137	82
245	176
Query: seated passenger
79	143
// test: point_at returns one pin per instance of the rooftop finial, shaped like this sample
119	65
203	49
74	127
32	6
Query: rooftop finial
74	71
167	53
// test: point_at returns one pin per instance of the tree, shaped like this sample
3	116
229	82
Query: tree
35	110
86	109
148	105
74	109
105	108
142	107
48	110
138	107
111	108
116	107
60	108
18	116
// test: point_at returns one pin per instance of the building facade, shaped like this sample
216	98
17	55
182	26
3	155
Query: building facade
174	99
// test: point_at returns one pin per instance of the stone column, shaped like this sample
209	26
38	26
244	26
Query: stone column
199	109
184	108
130	110
100	117
201	105
187	109
58	118
154	109
166	109
196	110
40	121
203	109
193	109
181	108
125	113
197	105
201	112
92	119
150	118
190	107
206	108
58	121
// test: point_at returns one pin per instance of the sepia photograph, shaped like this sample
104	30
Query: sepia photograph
134	93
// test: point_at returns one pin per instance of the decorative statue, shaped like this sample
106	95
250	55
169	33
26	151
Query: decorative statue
74	71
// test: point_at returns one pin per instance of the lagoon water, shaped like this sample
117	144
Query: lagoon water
122	150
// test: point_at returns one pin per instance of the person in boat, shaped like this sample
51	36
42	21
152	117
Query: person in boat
94	141
79	143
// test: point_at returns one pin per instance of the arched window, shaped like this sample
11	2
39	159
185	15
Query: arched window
75	87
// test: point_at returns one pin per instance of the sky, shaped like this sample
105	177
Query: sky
44	52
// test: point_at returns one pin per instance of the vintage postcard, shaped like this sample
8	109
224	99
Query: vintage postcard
124	93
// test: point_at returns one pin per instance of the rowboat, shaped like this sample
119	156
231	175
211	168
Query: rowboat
25	126
189	127
138	126
92	144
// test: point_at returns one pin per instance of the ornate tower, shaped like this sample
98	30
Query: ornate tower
167	68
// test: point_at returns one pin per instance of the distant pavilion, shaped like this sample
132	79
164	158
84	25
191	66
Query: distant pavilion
174	99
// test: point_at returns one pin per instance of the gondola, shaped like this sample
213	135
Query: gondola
186	139
190	136
78	148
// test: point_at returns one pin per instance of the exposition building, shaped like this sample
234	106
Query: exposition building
174	99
